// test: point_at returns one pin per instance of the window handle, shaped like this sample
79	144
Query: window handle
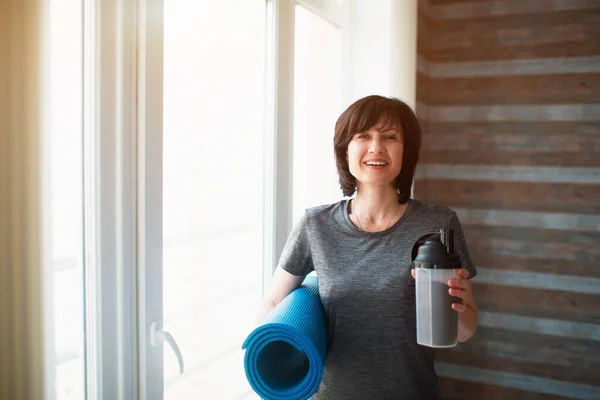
157	335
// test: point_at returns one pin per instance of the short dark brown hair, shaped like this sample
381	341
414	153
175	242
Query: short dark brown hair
364	114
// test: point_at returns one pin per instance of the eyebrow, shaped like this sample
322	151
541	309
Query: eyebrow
390	130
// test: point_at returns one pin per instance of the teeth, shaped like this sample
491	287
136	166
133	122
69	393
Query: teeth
379	163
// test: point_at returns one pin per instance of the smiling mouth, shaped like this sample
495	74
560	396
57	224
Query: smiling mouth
376	163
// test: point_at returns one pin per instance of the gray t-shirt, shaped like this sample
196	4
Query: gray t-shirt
369	296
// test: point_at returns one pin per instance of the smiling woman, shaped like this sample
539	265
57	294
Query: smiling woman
361	249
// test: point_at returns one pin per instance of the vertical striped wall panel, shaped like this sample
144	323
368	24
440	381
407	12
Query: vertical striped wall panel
508	93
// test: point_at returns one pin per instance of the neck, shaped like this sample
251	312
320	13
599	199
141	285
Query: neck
377	204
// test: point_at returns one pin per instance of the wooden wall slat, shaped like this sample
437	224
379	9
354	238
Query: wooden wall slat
573	360
540	89
481	358
514	112
515	52
525	158
536	129
454	389
492	24
586	241
446	2
423	24
481	256
541	244
560	26
512	380
514	141
549	197
423	82
501	8
520	36
537	302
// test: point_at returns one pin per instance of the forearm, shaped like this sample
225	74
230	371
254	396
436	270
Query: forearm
467	322
265	308
282	284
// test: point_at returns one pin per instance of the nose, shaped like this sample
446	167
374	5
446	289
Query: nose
376	145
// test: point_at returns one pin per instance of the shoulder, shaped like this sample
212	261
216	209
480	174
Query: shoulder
426	210
326	210
326	215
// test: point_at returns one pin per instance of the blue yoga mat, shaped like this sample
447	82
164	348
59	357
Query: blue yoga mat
285	354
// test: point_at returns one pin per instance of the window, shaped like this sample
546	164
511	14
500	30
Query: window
180	104
213	112
317	104
66	188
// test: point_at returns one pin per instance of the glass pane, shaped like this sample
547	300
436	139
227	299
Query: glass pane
317	100
65	69
214	71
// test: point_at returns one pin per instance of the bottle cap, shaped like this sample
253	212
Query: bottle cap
430	252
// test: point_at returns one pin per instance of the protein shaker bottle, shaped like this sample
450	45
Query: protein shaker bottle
435	264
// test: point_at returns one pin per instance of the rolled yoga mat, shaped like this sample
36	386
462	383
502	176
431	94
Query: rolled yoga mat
285	354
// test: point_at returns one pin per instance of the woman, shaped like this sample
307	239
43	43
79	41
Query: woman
361	248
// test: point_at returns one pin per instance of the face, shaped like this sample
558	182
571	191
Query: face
375	156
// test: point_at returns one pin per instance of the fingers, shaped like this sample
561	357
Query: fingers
459	307
457	288
462	273
459	284
460	288
459	293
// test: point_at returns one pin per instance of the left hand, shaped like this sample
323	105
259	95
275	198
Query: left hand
459	287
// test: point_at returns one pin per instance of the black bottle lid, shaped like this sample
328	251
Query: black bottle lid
435	251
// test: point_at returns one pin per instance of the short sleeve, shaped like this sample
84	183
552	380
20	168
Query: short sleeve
460	245
296	257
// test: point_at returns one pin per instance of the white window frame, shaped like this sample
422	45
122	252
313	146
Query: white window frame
339	15
110	198
330	10
150	169
279	124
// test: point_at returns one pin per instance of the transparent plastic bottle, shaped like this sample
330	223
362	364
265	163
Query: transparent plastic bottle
435	264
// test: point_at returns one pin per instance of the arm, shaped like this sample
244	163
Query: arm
467	323
282	284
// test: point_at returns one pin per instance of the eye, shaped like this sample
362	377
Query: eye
391	137
361	135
